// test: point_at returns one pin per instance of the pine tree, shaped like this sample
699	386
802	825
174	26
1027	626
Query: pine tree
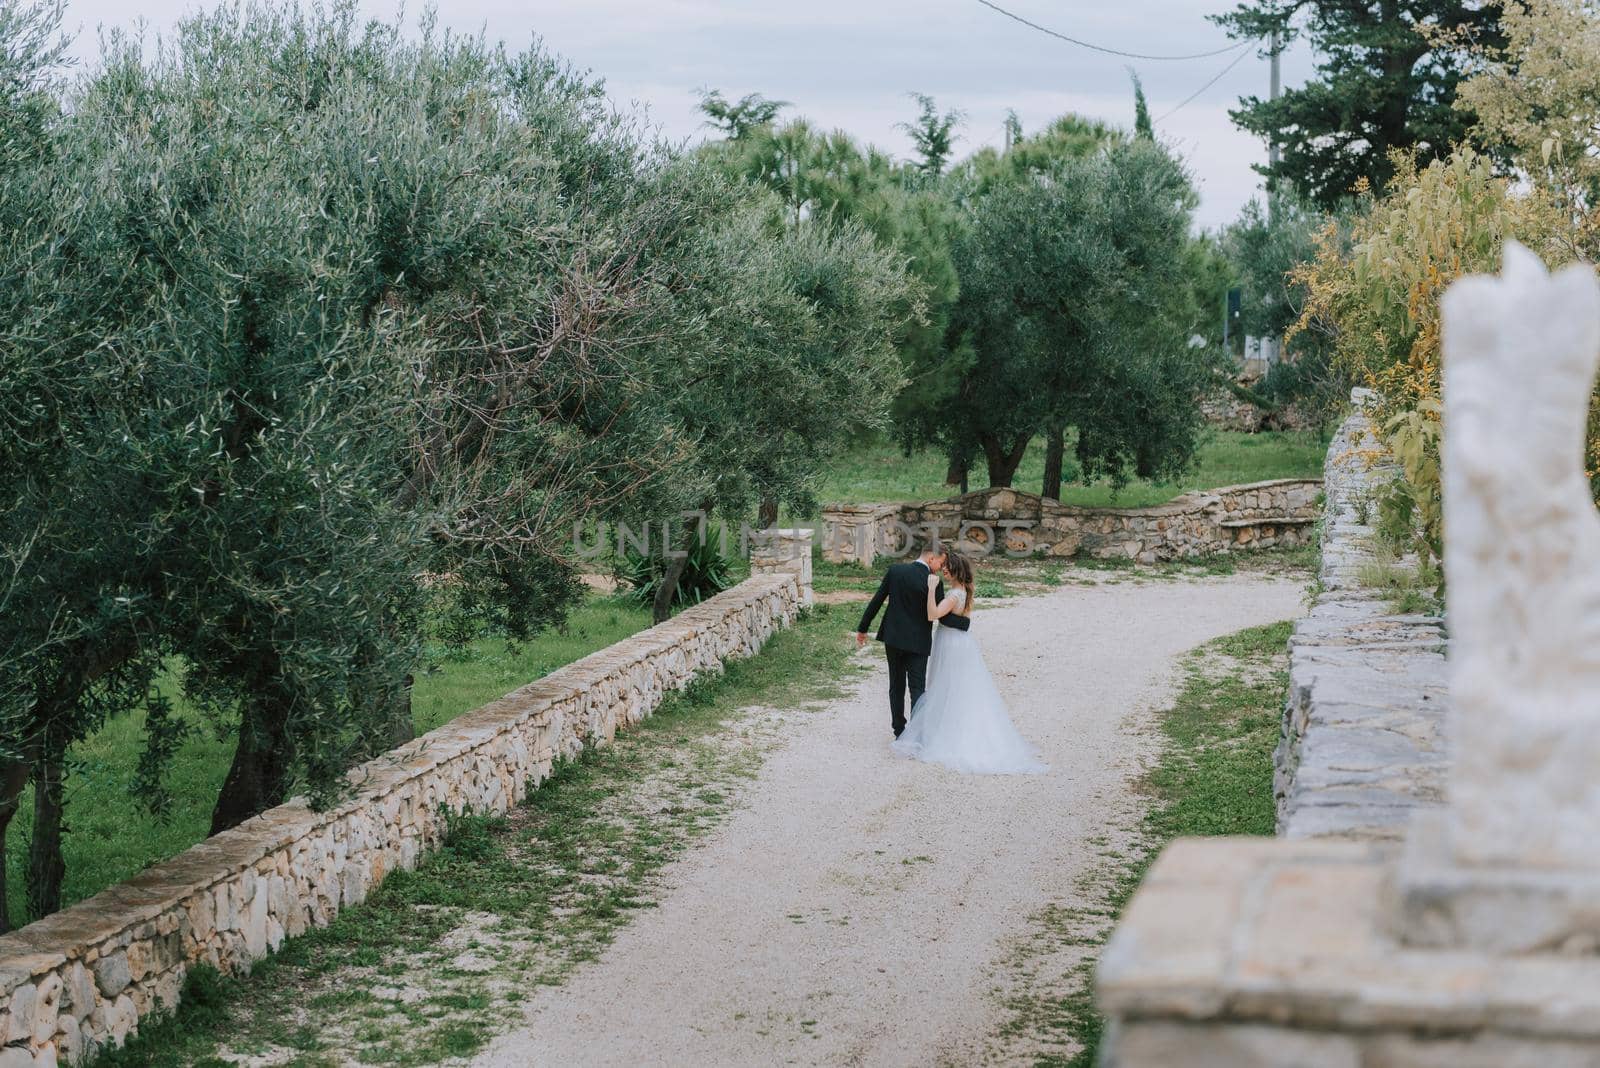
933	135
1381	84
739	118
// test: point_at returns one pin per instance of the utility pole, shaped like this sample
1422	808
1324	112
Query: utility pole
1276	51
1272	183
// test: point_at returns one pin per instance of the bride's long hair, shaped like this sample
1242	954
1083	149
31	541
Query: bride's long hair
960	569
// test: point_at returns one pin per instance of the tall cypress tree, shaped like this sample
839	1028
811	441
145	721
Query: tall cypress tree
1381	84
1142	126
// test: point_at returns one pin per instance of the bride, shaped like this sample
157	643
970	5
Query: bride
961	720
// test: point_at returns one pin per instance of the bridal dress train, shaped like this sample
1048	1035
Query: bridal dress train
961	721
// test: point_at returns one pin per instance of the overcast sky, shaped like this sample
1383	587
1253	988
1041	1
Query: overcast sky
851	63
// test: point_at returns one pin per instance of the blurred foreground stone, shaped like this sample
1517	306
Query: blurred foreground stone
1418	912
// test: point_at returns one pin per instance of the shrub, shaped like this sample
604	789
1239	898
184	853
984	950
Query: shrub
706	572
1378	303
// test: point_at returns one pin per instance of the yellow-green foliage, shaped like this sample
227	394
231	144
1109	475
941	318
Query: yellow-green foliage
1381	297
1378	292
1537	97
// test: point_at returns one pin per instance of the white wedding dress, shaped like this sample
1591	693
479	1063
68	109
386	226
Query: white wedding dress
960	720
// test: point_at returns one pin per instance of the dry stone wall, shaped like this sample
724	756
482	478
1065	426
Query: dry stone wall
1363	729
1227	409
85	977
1254	516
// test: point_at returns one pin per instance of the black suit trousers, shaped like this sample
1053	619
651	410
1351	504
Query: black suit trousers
905	667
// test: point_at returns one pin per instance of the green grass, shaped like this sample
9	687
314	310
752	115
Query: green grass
878	471
531	895
110	837
1214	777
493	667
1411	589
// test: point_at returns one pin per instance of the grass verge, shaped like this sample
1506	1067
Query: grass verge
439	960
1214	777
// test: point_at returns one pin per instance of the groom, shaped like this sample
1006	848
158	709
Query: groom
906	634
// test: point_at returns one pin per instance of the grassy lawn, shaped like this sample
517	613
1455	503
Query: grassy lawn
877	471
438	960
1214	777
110	837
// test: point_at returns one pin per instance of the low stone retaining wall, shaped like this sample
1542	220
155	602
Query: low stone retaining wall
84	977
1255	516
1363	729
1226	410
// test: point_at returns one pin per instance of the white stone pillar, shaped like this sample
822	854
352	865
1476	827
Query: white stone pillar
1513	861
779	551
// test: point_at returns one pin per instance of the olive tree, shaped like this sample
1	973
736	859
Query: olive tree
1077	304
796	355
317	321
829	181
79	597
929	410
308	312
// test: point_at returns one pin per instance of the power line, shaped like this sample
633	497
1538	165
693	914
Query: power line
1191	97
1098	48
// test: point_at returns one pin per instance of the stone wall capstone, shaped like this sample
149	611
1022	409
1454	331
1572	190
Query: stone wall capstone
1281	512
82	979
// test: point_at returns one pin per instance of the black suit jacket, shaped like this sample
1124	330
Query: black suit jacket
905	622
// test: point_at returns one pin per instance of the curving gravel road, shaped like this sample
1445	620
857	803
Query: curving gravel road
855	910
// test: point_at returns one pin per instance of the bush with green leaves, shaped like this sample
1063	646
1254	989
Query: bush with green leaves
1266	249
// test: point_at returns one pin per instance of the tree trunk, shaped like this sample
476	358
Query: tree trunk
399	725
667	589
1398	63
91	661
45	864
13	778
1055	450
955	473
767	517
1003	462
258	779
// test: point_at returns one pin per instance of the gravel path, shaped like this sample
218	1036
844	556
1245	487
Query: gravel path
856	909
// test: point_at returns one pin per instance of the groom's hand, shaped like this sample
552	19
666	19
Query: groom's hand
861	638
